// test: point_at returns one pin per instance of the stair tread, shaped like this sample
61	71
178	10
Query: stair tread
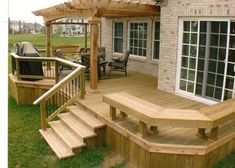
66	134
60	148
86	117
82	130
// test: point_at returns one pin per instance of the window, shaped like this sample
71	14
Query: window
156	40
138	38
207	65
118	37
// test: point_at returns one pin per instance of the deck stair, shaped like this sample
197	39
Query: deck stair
77	129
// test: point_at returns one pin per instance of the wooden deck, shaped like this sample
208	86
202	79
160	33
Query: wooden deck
122	132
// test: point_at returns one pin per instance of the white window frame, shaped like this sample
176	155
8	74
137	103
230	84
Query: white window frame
153	40
137	57
118	37
180	33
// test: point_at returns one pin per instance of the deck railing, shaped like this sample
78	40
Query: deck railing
63	93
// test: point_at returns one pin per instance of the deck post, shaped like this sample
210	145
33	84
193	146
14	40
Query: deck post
214	133
113	112
48	39
94	23
82	84
48	42
43	115
143	129
56	72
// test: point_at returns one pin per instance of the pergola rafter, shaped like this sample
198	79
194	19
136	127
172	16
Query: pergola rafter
95	9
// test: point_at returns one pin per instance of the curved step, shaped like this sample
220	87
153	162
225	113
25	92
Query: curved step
57	145
85	117
67	135
77	126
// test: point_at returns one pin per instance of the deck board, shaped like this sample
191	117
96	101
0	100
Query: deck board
145	87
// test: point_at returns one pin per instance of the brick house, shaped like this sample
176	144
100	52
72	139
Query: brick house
189	47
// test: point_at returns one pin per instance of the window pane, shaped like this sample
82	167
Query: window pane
200	77
194	38
202	39
229	83
186	38
156	50
203	26
118	29
185	50
201	65
202	51
222	54
231	56
215	27
232	41
223	41
223	27
209	91
218	93
118	45
184	73
194	25
157	30
214	40
118	37
193	50
184	62
156	42
186	26
182	85
232	28
213	53
219	80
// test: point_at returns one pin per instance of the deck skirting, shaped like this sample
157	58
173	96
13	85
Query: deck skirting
26	92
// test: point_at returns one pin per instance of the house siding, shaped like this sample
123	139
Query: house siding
140	64
170	15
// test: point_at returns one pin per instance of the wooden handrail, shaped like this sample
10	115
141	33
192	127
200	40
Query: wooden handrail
59	85
69	63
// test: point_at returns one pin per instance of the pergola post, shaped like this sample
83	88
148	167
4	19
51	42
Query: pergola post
48	39
94	24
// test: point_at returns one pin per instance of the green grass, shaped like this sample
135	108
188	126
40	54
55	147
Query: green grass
27	149
227	162
40	41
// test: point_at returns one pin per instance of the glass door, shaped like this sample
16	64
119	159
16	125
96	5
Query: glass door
206	70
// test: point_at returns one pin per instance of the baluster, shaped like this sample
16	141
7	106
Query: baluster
56	72
82	84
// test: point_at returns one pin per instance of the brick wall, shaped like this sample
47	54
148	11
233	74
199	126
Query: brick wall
147	66
170	15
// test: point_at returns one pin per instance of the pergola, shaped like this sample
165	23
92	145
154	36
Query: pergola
94	10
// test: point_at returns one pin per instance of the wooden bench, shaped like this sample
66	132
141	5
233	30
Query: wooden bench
154	115
220	114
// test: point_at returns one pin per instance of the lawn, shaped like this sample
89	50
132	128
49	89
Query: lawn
39	40
26	147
